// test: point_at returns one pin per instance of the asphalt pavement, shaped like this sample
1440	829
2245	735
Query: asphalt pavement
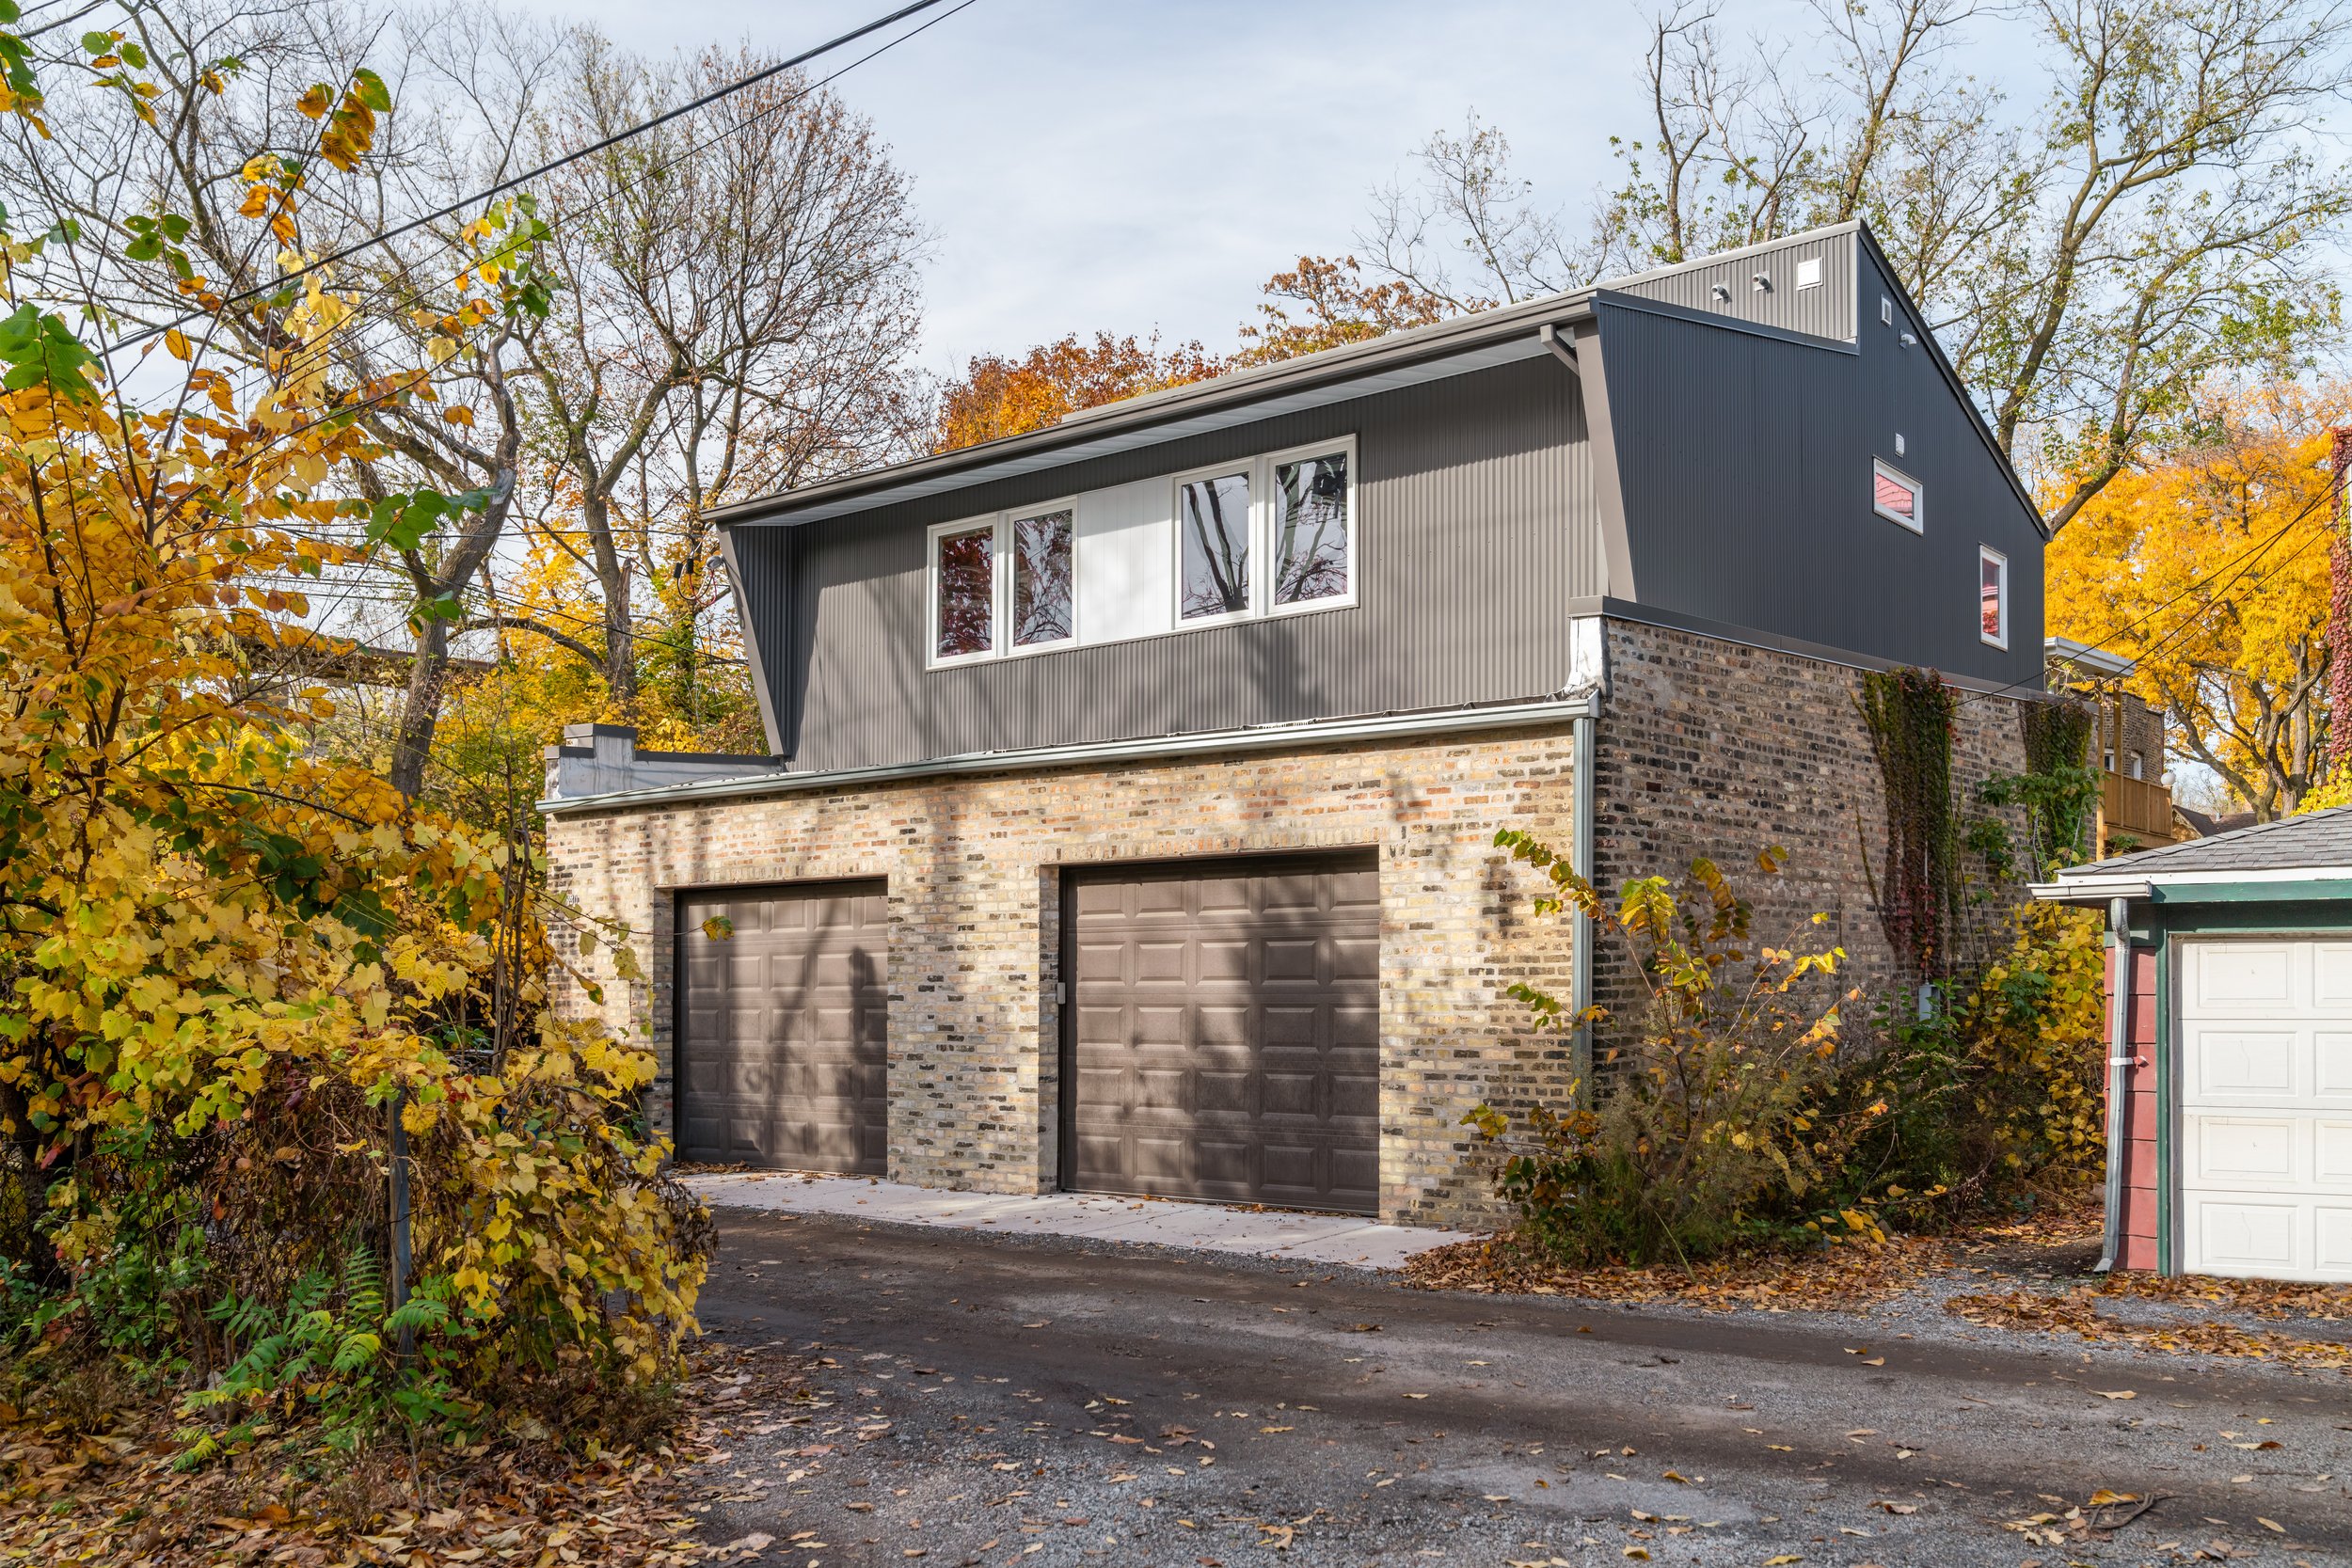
979	1400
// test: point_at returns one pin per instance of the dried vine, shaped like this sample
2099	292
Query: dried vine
1910	714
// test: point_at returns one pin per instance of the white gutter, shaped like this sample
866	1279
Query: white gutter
2093	890
1260	737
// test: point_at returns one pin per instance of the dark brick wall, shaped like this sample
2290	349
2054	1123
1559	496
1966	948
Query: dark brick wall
1710	748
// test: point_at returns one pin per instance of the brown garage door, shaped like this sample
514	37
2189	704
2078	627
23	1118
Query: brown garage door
784	1039
1223	1039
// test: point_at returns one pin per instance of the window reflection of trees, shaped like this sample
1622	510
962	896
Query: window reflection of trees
1040	579
1311	552
1214	518
966	593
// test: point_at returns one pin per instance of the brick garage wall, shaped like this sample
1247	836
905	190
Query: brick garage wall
2141	1108
974	867
1711	747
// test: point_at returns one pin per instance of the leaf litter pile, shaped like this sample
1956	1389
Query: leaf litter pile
1838	1279
112	1496
2077	1312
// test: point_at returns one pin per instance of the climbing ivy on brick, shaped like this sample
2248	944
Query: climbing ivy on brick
1908	714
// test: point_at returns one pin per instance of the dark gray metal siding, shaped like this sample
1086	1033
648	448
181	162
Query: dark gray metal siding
1827	311
1746	465
1475	506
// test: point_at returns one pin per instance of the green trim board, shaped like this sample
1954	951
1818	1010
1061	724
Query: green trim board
2256	892
2168	1110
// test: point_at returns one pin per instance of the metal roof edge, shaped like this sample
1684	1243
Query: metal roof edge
1438	341
1258	738
1951	377
1621	301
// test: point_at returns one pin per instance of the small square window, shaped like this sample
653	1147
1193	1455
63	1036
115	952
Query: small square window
1809	273
1213	529
1993	597
1894	496
964	589
1887	311
1039	564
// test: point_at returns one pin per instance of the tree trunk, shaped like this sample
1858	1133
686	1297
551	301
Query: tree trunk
421	709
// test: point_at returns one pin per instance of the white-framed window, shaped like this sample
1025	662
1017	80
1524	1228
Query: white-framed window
1271	534
1039	548
1268	536
1216	527
1003	584
965	582
1311	516
1992	595
1894	496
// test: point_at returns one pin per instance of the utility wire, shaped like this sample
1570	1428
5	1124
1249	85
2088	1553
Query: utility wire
519	181
2251	552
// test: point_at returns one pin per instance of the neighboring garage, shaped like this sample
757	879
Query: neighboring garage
2233	1045
782	1035
1222	1039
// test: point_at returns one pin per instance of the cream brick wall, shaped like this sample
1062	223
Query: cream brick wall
973	865
1705	747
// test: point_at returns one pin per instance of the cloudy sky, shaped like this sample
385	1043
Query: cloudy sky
1147	164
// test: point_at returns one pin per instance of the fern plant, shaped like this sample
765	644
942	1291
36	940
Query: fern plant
323	1346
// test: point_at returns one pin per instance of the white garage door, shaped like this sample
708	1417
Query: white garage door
2266	1065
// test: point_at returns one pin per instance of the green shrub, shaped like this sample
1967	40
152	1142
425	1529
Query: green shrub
1713	1120
1745	1106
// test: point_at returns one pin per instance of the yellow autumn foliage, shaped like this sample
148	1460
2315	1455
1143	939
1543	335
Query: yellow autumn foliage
229	959
2208	566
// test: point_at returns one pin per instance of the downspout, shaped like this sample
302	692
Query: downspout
2119	1062
1588	674
1583	748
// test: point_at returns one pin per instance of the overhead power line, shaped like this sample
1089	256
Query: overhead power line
519	181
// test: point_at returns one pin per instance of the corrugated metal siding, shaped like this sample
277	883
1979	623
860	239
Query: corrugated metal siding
1746	472
1475	520
1828	311
763	576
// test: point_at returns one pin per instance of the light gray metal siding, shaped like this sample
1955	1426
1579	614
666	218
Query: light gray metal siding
1746	470
1474	521
1826	310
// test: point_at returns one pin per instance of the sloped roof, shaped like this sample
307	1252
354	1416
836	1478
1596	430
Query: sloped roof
2314	840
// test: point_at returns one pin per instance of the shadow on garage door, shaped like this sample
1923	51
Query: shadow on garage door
1222	1037
782	1027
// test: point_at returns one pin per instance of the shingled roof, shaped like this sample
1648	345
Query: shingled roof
2316	839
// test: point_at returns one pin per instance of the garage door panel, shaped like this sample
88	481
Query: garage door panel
784	1028
1233	1016
2331	974
2331	1153
2332	1065
2332	1229
2244	1149
2241	975
2239	1064
2246	1236
2264	1037
1291	958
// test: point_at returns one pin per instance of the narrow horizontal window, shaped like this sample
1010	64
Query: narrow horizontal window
1040	579
1993	597
964	571
1310	526
1894	496
1213	529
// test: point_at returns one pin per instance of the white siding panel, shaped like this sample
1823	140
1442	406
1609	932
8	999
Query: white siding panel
1126	562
